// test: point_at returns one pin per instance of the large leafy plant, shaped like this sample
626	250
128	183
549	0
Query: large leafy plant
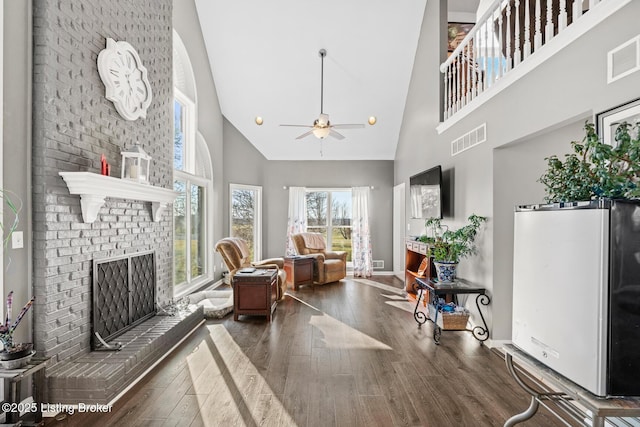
595	169
447	245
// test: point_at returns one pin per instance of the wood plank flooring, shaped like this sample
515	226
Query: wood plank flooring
343	354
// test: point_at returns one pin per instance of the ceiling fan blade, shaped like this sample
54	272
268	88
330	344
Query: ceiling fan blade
298	126
335	134
304	135
348	126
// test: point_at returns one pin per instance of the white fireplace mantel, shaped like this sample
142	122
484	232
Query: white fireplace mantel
94	188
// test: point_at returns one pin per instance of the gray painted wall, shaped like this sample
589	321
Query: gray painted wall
210	121
245	165
17	151
552	100
73	125
17	132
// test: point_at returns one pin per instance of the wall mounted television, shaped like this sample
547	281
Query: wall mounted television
425	192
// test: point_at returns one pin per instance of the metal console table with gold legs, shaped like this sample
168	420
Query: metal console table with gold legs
436	290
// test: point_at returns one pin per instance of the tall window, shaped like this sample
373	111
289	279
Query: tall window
246	216
192	172
329	213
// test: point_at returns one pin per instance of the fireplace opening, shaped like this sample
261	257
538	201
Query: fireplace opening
124	295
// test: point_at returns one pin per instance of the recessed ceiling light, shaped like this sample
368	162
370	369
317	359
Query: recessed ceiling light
372	120
259	120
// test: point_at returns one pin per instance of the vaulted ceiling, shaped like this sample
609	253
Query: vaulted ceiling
265	62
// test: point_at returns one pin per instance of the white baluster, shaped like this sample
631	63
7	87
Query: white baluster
562	17
446	94
517	56
548	28
537	38
500	44
487	81
456	87
509	56
450	82
527	30
467	86
494	54
474	79
577	10
593	3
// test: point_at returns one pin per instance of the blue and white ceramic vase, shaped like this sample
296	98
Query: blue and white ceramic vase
446	271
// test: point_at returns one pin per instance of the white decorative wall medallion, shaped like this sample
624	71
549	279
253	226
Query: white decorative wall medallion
125	79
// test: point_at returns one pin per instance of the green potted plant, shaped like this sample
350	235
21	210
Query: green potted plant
448	247
596	170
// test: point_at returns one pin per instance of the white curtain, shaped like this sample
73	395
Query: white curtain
360	233
297	220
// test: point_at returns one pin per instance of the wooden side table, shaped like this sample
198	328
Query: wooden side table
255	293
299	271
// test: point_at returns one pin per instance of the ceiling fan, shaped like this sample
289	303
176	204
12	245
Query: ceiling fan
322	127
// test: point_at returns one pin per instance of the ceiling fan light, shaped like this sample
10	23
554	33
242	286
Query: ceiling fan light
321	133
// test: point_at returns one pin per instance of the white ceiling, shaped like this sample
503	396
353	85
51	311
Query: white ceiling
265	62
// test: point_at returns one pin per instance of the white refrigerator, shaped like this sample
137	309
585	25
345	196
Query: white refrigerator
571	292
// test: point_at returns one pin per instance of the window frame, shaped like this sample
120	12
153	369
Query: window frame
189	108
193	141
329	227
191	284
257	216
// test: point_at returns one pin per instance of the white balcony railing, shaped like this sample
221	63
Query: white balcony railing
504	37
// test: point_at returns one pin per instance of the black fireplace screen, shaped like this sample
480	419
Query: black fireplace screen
124	294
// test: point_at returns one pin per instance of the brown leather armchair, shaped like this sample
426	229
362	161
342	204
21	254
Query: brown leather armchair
328	266
235	253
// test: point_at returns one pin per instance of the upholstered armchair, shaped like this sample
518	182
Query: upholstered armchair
328	266
235	253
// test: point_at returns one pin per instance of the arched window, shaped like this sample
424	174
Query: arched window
192	179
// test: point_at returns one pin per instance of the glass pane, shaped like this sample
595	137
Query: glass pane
179	234
317	208
197	259
341	240
242	216
341	208
178	135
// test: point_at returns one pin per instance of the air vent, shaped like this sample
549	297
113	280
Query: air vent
378	264
469	139
623	60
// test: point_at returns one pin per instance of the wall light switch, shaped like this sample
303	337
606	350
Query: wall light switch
17	240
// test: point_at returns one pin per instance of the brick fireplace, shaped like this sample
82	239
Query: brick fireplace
73	124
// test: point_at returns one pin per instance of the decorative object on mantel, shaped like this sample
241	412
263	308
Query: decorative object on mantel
595	169
125	79
135	164
14	355
94	189
447	247
105	168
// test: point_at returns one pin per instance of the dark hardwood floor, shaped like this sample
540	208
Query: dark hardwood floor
343	354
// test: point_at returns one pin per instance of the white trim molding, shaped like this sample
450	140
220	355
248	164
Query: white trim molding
94	189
